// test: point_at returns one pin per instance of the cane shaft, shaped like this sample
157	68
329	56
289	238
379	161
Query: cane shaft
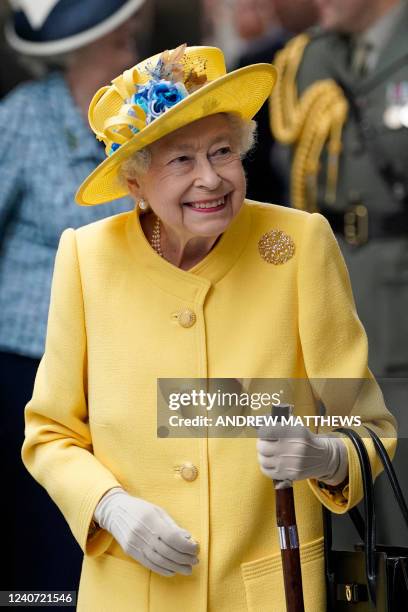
289	542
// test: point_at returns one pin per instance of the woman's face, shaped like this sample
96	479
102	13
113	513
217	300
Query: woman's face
195	183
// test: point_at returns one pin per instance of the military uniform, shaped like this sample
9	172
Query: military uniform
370	210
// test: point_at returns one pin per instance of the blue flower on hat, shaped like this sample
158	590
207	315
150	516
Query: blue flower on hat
156	96
164	95
141	97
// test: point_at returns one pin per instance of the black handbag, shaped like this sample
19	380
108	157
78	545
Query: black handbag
372	577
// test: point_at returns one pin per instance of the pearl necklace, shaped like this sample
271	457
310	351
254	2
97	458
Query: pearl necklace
156	238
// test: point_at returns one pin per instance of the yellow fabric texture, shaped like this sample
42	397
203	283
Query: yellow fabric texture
91	423
241	92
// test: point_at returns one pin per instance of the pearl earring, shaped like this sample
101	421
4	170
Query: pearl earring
143	205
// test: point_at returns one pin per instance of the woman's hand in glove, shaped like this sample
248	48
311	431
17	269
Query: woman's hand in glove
147	533
295	453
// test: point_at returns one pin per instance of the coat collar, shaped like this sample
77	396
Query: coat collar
396	47
395	51
338	59
190	284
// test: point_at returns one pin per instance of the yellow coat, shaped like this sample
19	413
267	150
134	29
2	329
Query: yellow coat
91	423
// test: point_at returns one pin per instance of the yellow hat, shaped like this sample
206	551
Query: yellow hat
160	95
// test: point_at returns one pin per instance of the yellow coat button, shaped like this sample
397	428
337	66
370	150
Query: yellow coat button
186	318
188	471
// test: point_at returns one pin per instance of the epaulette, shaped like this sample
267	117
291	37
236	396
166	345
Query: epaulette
309	122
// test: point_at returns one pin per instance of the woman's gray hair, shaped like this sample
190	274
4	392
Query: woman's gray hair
244	134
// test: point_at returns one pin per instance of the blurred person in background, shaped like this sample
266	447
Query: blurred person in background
11	71
218	29
342	106
354	72
254	20
47	148
269	24
297	15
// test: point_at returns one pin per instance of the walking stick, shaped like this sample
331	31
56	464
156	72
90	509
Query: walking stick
288	534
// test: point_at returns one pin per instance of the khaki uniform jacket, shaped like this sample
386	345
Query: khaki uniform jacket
378	269
91	424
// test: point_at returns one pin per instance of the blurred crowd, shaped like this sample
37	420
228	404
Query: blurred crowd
332	139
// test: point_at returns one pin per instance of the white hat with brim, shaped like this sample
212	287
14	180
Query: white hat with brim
48	27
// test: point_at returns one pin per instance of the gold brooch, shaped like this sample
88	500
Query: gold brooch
276	247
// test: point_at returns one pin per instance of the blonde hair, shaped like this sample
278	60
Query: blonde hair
244	135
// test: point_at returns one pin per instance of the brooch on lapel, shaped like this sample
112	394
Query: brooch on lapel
276	247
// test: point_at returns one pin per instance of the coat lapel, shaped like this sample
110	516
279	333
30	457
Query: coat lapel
395	51
338	59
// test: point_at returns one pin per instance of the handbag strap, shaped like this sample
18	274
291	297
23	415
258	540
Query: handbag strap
369	513
366	531
358	521
390	472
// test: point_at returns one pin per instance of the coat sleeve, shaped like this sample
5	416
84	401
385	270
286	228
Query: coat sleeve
57	450
335	351
12	130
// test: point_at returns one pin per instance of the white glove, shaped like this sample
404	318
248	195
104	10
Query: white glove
147	533
295	453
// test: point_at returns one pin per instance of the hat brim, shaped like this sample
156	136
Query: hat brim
71	43
242	92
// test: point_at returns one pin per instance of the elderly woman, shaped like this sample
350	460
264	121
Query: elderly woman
196	283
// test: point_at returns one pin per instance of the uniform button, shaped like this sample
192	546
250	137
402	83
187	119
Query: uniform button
186	317
188	471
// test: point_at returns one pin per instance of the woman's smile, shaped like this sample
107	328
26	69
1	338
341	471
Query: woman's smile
207	206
